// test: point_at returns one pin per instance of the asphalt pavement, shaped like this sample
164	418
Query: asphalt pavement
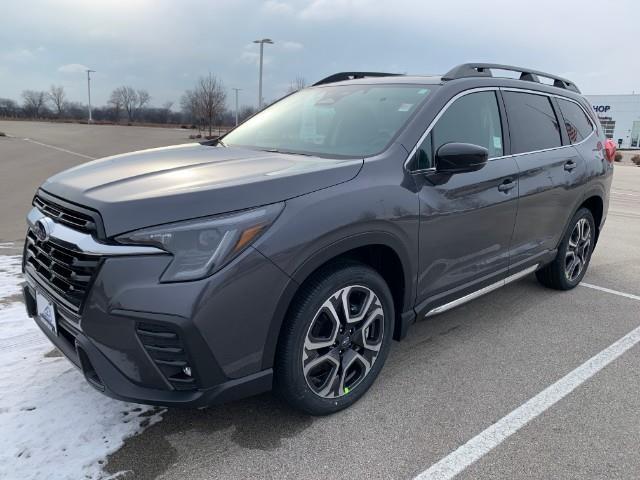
455	376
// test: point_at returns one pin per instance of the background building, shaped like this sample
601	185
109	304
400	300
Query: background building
620	117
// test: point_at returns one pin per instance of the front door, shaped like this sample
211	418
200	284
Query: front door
466	219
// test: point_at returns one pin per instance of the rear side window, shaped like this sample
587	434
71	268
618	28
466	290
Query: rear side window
473	118
532	122
576	121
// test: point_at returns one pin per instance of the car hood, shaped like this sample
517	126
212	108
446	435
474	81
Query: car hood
162	185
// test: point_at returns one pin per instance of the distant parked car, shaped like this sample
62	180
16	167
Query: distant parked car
291	251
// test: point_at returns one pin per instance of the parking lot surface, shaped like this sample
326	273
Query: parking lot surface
455	375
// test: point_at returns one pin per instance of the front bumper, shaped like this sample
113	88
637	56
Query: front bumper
222	324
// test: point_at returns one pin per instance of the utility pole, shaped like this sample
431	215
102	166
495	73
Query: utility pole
261	42
89	72
236	90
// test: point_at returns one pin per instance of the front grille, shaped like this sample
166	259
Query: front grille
71	218
66	272
166	349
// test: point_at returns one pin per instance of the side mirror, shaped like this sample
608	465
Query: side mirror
460	157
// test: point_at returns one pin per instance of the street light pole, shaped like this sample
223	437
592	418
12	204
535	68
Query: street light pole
261	42
236	90
89	72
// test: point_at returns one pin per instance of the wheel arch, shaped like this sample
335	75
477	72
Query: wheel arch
382	251
596	205
593	200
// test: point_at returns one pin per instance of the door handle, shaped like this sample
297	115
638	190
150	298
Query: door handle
570	165
506	186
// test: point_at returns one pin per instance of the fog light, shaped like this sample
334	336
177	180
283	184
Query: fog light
186	371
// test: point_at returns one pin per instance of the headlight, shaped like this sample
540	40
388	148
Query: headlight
204	245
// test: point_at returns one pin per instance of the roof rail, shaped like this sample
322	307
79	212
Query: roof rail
339	77
484	70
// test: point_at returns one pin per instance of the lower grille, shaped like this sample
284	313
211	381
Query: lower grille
166	349
66	272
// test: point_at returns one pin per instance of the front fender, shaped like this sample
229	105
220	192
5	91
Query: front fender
326	254
378	207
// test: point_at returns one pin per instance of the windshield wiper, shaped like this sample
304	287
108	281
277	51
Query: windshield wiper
212	143
275	150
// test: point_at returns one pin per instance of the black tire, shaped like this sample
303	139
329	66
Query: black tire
293	378
554	275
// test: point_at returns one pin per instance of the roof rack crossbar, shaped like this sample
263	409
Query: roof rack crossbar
339	77
484	70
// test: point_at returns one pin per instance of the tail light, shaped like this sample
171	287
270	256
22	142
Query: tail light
610	150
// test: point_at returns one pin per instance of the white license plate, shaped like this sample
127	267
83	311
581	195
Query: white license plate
46	312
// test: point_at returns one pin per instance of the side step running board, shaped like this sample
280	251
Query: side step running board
482	291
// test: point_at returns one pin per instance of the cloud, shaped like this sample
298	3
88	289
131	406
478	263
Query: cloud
313	38
73	68
277	8
19	55
333	9
291	46
253	58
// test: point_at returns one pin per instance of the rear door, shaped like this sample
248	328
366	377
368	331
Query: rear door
551	174
466	219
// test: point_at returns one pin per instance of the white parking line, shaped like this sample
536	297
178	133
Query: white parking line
487	440
615	292
625	193
59	149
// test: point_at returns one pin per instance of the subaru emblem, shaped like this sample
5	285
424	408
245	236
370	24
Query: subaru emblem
43	228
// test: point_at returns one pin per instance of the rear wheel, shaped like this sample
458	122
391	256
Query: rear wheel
574	254
335	339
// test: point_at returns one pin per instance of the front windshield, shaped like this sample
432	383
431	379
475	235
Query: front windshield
341	120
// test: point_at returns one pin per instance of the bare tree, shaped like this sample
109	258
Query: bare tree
165	111
211	97
191	108
57	97
298	84
143	99
33	102
116	103
129	101
8	108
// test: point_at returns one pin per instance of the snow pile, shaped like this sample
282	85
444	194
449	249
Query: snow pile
52	423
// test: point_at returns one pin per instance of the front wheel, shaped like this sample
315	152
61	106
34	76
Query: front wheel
574	254
335	339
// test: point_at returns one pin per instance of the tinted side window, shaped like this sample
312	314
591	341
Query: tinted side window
473	118
576	121
532	122
424	154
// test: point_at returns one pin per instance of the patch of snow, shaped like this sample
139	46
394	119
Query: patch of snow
10	275
53	424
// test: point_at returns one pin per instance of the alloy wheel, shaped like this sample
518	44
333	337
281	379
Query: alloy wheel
343	341
578	250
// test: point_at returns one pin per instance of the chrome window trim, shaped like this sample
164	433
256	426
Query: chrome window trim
85	243
586	114
436	118
484	89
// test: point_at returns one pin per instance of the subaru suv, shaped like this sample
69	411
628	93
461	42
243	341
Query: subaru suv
289	253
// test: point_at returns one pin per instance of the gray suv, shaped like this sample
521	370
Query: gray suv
289	253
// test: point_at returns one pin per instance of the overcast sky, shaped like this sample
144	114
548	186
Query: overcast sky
164	46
